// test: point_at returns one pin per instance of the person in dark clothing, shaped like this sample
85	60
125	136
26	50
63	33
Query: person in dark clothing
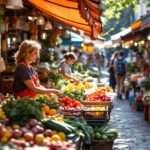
120	67
112	78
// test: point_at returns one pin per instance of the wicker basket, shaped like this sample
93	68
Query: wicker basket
102	144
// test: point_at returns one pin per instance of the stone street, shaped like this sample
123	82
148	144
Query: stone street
134	131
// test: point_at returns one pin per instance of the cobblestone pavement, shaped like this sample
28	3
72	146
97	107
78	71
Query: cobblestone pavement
134	131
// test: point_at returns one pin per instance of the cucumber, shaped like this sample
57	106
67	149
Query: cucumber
110	135
105	129
104	137
58	126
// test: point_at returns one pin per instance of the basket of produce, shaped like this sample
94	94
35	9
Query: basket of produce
70	107
103	138
98	97
95	112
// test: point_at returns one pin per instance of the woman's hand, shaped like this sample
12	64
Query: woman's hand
77	81
57	92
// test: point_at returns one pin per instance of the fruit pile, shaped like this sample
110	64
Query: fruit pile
105	89
32	134
82	86
98	96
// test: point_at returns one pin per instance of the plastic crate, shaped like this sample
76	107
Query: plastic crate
102	144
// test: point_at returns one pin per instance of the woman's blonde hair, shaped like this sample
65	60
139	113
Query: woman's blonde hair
26	47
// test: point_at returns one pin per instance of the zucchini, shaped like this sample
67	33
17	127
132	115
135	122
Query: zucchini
58	126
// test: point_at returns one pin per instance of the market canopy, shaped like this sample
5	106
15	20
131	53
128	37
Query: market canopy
81	14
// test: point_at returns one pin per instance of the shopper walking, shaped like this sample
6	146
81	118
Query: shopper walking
112	77
120	66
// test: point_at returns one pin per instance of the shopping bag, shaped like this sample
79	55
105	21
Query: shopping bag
2	64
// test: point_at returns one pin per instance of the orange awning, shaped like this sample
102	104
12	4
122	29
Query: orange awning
69	13
136	25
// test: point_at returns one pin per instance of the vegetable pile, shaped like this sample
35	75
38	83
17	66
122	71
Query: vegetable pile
68	103
104	133
20	111
77	94
46	100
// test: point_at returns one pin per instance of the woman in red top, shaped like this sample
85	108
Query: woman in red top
26	82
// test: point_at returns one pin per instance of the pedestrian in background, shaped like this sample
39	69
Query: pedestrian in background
112	78
65	66
120	67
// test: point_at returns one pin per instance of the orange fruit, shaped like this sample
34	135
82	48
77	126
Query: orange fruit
62	136
52	112
54	132
7	134
45	109
55	137
15	126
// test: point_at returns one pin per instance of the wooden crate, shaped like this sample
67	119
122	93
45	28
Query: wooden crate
75	113
96	114
102	144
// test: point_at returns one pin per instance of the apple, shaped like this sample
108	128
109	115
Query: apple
28	136
40	129
27	126
17	133
33	122
48	132
24	130
53	145
35	130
